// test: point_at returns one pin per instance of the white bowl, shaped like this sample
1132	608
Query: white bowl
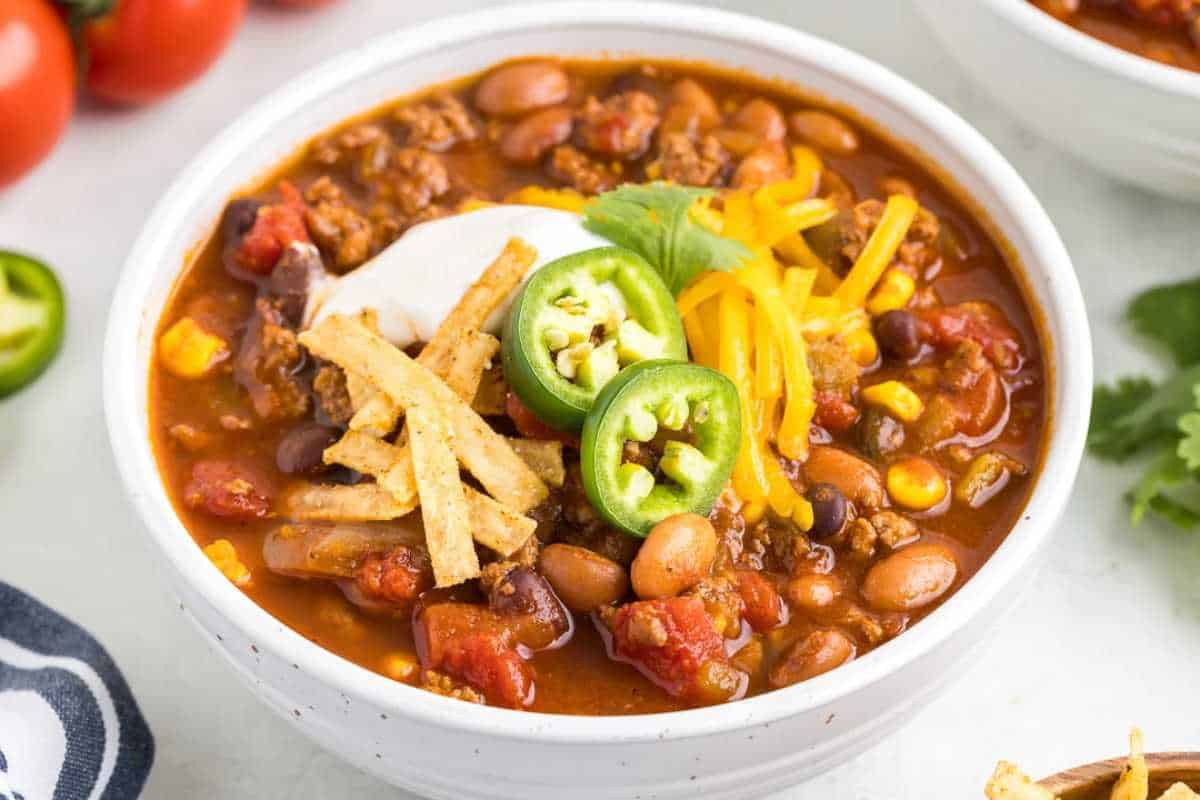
449	749
1128	116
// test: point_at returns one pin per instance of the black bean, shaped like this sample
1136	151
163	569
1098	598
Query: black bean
298	267
300	450
239	218
899	334
879	434
829	510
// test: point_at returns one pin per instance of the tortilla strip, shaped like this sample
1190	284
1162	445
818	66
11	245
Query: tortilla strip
443	502
492	524
485	453
496	526
472	358
365	502
492	394
1009	783
545	457
470	314
389	464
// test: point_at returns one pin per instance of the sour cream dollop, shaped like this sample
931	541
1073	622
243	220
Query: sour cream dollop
418	279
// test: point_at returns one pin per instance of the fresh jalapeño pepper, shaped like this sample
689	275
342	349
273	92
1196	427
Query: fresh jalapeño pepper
31	320
579	321
683	415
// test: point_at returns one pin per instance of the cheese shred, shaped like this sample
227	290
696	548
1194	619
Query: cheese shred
752	323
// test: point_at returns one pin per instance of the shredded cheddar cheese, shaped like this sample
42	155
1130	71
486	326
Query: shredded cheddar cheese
753	324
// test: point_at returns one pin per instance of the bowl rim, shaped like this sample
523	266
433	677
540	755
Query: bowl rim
1096	52
125	384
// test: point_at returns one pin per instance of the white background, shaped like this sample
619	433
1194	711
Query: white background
1109	636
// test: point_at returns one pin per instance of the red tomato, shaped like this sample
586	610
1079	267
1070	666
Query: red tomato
144	49
37	84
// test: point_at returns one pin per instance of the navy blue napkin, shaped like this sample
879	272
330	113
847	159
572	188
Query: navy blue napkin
69	726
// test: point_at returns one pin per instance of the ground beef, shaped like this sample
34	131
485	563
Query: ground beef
268	362
619	127
417	178
440	683
330	387
367	146
575	169
438	124
583	527
917	252
833	366
342	233
228	490
684	163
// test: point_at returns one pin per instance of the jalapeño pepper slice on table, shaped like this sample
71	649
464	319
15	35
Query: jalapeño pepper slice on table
32	313
577	322
684	415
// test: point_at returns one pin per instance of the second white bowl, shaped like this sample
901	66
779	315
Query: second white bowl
1128	116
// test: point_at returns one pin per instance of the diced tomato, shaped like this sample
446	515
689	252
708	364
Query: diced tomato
673	642
275	227
473	644
979	322
834	413
764	607
491	666
398	576
529	426
227	490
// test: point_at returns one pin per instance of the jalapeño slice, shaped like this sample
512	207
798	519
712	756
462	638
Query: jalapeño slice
686	417
32	314
579	321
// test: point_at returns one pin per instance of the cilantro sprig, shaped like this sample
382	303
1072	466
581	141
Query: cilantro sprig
654	221
1158	424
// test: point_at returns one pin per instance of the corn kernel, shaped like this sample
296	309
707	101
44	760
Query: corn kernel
224	557
893	292
401	667
916	483
189	351
654	170
895	397
863	347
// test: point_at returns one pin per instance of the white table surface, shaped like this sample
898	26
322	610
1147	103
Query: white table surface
1108	637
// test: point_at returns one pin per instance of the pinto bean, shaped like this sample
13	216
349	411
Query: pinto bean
523	87
533	137
856	479
765	164
911	577
814	592
761	118
691	109
677	554
825	131
583	579
814	655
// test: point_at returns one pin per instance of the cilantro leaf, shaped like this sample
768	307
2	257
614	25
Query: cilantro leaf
1135	415
1170	315
1165	490
1189	445
653	221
